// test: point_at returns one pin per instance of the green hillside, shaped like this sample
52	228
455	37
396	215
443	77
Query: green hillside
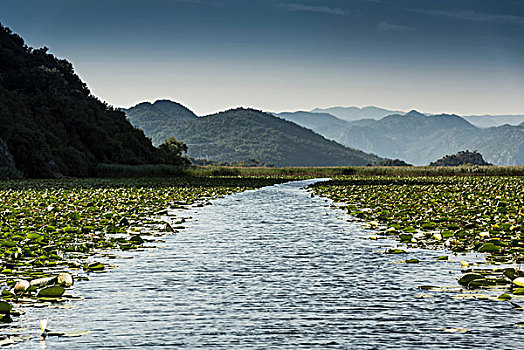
152	117
50	122
241	134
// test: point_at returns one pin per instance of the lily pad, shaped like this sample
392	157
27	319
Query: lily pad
5	307
96	266
489	247
467	278
395	251
53	291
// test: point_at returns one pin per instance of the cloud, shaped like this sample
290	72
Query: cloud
312	8
473	16
391	27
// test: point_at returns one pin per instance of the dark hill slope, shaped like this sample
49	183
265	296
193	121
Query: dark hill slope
151	117
48	114
241	134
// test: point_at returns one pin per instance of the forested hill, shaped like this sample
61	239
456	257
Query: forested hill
152	117
48	115
241	134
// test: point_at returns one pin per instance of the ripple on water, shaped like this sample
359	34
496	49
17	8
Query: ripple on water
274	269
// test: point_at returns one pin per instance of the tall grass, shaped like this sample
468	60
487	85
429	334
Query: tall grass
117	170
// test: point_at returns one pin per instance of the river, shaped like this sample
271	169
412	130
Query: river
276	268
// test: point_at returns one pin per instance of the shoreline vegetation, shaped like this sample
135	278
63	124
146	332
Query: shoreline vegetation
164	170
53	231
461	214
116	170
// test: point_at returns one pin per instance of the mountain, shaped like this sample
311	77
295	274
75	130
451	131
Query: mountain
418	138
486	121
412	137
502	145
322	123
51	124
241	134
151	117
356	113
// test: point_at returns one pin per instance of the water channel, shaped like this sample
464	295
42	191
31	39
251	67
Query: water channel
276	268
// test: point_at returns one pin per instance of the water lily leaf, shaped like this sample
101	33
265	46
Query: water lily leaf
34	236
504	296
489	247
7	243
412	261
395	251
467	278
7	293
406	237
5	307
53	291
95	266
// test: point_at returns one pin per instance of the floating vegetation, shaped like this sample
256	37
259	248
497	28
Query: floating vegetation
52	231
457	213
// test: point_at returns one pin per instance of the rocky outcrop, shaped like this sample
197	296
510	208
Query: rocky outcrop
6	158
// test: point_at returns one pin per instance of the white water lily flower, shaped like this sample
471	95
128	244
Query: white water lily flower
43	324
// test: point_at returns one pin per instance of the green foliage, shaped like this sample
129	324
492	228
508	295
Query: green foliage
51	226
172	150
484	214
152	117
461	158
240	134
48	114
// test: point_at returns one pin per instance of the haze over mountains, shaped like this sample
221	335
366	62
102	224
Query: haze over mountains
356	113
240	134
237	135
417	138
371	112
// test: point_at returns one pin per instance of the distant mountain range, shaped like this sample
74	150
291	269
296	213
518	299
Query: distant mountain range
371	112
241	134
486	121
417	138
356	113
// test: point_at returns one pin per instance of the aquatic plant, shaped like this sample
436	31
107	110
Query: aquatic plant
460	214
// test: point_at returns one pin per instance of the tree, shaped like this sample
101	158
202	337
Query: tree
173	150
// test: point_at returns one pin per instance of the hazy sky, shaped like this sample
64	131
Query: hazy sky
461	56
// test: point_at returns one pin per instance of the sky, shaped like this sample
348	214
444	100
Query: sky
446	56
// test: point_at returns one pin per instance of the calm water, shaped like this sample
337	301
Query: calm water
275	269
